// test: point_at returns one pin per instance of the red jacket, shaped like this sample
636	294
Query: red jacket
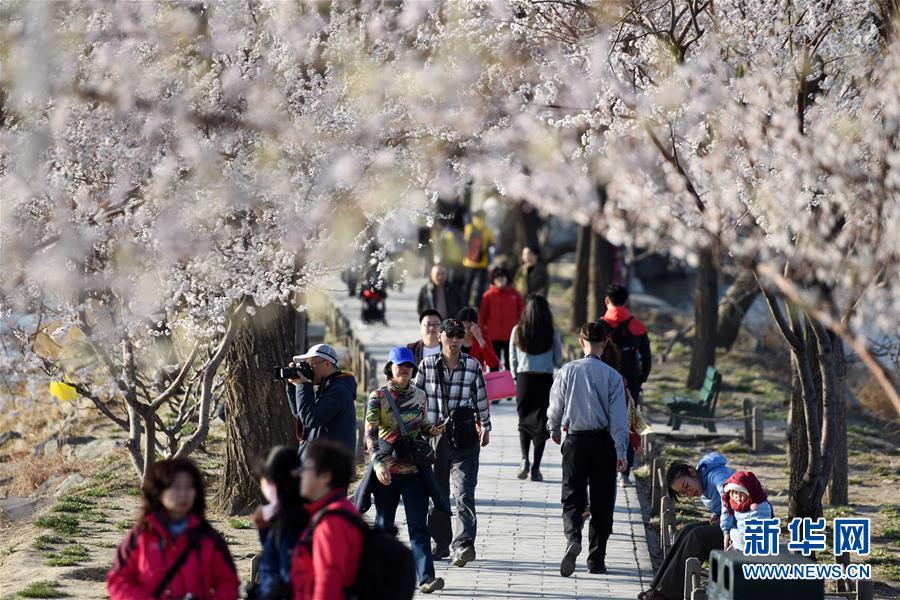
500	311
484	354
619	314
147	552
324	571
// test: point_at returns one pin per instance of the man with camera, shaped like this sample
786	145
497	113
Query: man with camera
327	412
455	398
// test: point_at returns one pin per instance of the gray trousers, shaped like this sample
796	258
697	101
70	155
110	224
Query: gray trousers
456	471
694	540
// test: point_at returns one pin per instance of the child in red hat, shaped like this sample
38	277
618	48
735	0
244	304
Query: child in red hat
743	499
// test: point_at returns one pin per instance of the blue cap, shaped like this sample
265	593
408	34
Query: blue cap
400	355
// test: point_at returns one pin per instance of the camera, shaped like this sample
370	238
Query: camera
294	370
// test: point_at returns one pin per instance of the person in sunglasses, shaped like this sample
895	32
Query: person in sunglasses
455	397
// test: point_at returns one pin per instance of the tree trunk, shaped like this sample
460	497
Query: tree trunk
838	488
256	409
734	305
806	499
601	270
582	275
706	289
796	439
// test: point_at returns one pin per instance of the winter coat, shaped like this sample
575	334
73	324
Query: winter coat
324	568
714	472
533	280
328	412
500	311
735	525
275	561
452	296
484	354
147	552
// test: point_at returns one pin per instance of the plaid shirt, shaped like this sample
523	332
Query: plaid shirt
465	385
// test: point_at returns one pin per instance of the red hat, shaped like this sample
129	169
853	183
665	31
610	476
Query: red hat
743	481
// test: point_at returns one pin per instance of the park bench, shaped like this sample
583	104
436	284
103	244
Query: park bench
703	405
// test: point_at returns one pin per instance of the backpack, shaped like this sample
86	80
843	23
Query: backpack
475	248
387	568
629	346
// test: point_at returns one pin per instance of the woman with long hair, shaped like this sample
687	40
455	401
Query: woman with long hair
535	349
173	551
280	521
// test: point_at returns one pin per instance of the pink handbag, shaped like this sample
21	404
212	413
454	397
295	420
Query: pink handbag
499	384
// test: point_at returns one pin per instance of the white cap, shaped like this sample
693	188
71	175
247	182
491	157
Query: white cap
322	351
736	487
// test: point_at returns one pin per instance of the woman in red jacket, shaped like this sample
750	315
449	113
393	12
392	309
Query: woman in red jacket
476	344
501	307
173	551
326	558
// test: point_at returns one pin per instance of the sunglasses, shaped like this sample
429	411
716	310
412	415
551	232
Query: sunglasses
455	334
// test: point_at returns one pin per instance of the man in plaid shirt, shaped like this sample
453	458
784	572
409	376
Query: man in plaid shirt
461	376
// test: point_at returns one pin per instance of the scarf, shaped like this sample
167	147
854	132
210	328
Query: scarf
401	395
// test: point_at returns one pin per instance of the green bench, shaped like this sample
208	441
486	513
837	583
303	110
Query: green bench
682	408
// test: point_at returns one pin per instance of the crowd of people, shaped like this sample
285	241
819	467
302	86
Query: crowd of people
424	431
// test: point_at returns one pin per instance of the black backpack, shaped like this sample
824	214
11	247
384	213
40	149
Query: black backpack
629	346
387	568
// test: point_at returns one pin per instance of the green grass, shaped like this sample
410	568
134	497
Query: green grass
69	556
892	523
734	447
42	589
97	491
62	524
240	524
75	551
884	564
124	524
55	560
106	476
833	512
670	452
45	541
77	505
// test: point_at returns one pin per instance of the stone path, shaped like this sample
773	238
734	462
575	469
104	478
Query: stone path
520	539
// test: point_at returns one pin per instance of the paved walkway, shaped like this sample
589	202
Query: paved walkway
520	539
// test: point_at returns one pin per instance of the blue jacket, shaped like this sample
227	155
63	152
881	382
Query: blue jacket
275	562
328	412
739	520
714	472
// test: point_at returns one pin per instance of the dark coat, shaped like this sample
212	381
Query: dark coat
534	281
328	412
451	292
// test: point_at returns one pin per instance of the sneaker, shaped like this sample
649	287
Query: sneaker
536	475
567	565
432	584
523	469
438	553
464	556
